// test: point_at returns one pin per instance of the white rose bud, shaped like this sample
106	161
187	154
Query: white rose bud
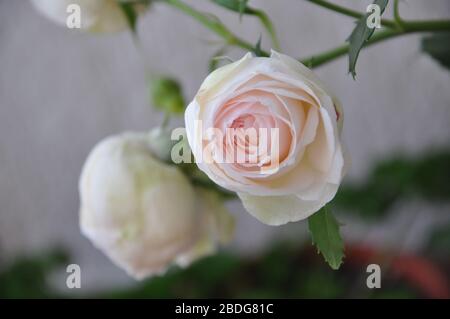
144	214
216	226
95	15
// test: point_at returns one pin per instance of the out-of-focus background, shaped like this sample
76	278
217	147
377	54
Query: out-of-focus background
62	91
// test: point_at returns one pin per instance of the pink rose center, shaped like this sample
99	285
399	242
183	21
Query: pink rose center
252	134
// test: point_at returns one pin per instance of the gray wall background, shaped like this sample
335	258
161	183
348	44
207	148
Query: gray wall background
62	91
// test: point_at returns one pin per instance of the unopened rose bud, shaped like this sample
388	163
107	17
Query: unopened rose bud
142	213
95	15
167	95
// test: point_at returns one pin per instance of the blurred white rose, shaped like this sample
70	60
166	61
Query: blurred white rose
144	214
96	15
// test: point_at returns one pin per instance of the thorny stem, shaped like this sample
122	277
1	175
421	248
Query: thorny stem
391	30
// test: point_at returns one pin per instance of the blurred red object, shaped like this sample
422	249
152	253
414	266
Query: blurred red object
419	272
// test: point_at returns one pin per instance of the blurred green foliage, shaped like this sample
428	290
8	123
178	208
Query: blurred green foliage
284	271
28	277
439	242
400	178
437	45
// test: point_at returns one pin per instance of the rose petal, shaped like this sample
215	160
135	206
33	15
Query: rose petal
279	210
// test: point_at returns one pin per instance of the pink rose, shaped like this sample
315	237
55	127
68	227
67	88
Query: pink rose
291	174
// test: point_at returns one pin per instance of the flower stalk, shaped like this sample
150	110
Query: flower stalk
391	30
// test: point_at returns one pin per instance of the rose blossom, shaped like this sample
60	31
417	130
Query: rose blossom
280	93
96	15
144	214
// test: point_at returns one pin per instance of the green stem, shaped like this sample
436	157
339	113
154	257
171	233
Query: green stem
213	24
426	26
268	25
317	60
327	56
408	27
349	12
166	120
397	18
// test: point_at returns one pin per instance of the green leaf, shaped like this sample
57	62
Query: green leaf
239	6
399	178
167	95
360	35
242	6
325	234
438	47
